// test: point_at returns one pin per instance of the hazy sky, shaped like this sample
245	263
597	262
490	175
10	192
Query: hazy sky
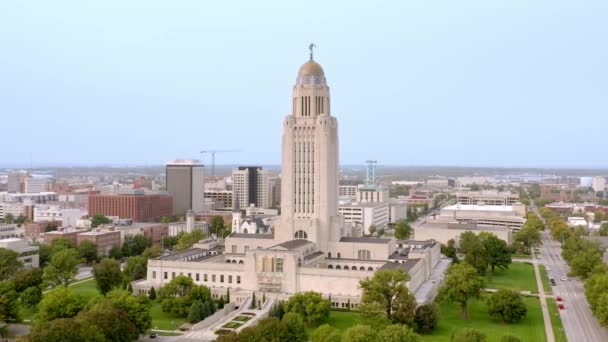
480	83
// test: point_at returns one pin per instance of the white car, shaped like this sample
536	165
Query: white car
548	268
564	278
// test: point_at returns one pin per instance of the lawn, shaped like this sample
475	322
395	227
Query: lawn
530	329
545	278
556	321
519	276
87	288
341	320
162	320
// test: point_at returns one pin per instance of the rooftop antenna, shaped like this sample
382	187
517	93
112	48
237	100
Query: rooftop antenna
310	47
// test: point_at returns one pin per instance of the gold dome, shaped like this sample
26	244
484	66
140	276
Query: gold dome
311	68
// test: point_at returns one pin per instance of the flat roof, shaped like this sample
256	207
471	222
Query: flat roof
405	266
292	244
252	236
364	240
471	207
181	255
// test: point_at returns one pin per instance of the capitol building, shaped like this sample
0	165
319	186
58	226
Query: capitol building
311	248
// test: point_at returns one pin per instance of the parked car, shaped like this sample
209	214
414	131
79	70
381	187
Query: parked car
561	306
558	298
153	335
564	278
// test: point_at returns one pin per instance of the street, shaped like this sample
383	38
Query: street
579	323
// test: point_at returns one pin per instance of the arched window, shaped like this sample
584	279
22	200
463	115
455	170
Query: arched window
370	268
300	234
361	268
338	267
240	261
364	254
228	261
330	267
234	261
338	255
329	254
245	231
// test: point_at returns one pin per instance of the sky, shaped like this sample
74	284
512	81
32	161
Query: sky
513	83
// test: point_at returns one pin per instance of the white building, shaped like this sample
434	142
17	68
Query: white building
586	182
397	209
512	216
487	197
311	248
365	214
36	184
15	209
461	182
28	255
250	185
11	231
598	183
67	216
176	228
222	199
347	191
445	231
372	194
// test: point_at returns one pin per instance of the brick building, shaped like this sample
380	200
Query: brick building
70	234
34	230
104	238
137	207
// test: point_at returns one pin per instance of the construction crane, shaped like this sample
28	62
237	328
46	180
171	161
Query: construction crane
213	152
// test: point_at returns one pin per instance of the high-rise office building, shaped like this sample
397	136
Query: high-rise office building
186	184
250	185
16	181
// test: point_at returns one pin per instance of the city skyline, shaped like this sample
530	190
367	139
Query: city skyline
477	85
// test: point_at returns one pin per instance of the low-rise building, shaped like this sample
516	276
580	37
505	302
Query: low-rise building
444	231
36	230
397	210
104	238
11	231
137	206
68	233
67	216
513	216
28	255
365	214
487	197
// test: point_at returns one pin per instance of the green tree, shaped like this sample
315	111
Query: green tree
98	220
31	296
325	333
267	330
398	333
178	295
253	304
372	229
87	250
9	302
61	302
186	240
169	242
60	244
137	308
468	335
115	253
107	275
461	284
152	293
135	245
196	312
426	318
152	252
111	321
311	306
9	218
9	263
277	310
449	250
45	252
62	268
497	252
216	226
359	333
604	229
135	268
386	294
507	305
528	236
403	230
596	291
467	242
296	330
24	279
65	329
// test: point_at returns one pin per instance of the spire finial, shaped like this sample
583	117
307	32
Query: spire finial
310	47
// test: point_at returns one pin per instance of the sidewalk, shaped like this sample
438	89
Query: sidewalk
543	301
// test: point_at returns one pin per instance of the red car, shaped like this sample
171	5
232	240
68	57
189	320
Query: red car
559	299
561	306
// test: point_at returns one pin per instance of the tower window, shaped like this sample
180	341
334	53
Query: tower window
300	234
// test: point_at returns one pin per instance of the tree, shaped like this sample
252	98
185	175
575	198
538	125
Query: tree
296	331
604	229
398	333
467	242
461	284
107	275
277	310
268	329
196	312
152	295
135	245
61	302
253	304
311	306
113	322
468	335
372	229
135	268
9	263
359	333
386	294
528	236
62	268
87	250
169	242
403	230
152	252
31	296
325	333
178	295
9	218
115	253
137	308
380	232
507	305
510	338
426	318
220	303
98	220
9	302
65	329
216	226
477	257
45	252
60	244
596	291
186	240
449	250
27	278
497	252
51	227
559	230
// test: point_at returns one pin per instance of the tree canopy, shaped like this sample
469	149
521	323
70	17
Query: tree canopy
461	284
507	305
107	275
62	268
386	295
9	263
311	306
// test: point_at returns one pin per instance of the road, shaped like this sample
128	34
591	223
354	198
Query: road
543	301
579	323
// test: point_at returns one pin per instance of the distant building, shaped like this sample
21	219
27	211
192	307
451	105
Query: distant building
68	233
441	183
36	230
103	238
599	183
397	210
11	231
16	181
176	228
512	216
586	182
347	190
444	231
137	206
365	214
28	255
36	184
66	216
487	197
186	183
250	186
221	198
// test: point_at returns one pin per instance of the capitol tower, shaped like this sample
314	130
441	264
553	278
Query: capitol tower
309	197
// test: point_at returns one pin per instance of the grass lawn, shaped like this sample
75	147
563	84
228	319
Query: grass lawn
556	321
521	256
530	329
519	276
88	289
162	320
341	320
545	278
